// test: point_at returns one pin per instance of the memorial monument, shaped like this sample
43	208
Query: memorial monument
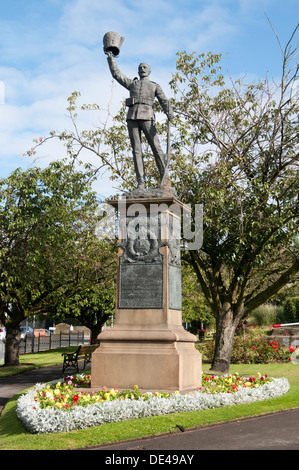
148	345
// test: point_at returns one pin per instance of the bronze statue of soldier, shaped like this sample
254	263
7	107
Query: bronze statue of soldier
140	116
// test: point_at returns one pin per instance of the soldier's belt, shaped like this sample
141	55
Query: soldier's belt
132	101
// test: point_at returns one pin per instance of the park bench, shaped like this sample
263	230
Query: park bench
82	352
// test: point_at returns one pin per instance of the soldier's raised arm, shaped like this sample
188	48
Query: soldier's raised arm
116	73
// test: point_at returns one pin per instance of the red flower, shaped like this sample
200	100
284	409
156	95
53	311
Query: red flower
75	398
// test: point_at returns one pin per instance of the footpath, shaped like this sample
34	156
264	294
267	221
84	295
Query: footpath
275	431
10	386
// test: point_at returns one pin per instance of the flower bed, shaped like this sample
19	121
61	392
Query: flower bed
42	409
251	349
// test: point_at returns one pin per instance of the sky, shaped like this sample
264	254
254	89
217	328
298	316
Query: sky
50	48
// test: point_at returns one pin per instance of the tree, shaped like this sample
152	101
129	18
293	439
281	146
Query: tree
242	165
46	219
194	306
109	142
91	296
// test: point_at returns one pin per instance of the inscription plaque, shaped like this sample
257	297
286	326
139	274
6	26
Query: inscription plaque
175	287
141	285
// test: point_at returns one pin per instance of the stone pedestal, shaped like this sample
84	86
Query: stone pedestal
148	346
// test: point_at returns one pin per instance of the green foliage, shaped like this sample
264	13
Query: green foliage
91	296
194	306
43	215
245	180
250	349
109	142
50	259
291	309
235	153
266	314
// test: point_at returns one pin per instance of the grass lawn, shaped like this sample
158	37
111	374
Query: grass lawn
14	437
33	361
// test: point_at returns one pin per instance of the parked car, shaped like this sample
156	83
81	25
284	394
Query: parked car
25	331
2	333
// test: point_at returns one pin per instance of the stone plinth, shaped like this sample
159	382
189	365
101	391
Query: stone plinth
148	346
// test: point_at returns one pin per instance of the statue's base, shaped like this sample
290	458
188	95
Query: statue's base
148	346
163	359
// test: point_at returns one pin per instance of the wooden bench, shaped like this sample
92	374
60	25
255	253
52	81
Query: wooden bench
82	352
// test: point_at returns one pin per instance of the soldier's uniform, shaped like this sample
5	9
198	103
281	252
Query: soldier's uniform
141	117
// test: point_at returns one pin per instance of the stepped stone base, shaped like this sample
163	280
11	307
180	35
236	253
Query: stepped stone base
148	346
162	359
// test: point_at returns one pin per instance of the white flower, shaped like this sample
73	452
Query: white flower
37	420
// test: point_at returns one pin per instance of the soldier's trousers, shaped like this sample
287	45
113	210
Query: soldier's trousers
149	129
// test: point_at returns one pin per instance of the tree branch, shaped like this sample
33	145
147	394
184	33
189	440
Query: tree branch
267	293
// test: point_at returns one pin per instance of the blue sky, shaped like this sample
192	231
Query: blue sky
49	48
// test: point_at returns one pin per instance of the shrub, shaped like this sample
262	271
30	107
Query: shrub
264	315
250	349
291	309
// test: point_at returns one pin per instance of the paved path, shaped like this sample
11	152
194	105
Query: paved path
276	431
10	386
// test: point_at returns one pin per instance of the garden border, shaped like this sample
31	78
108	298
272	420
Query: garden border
37	420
